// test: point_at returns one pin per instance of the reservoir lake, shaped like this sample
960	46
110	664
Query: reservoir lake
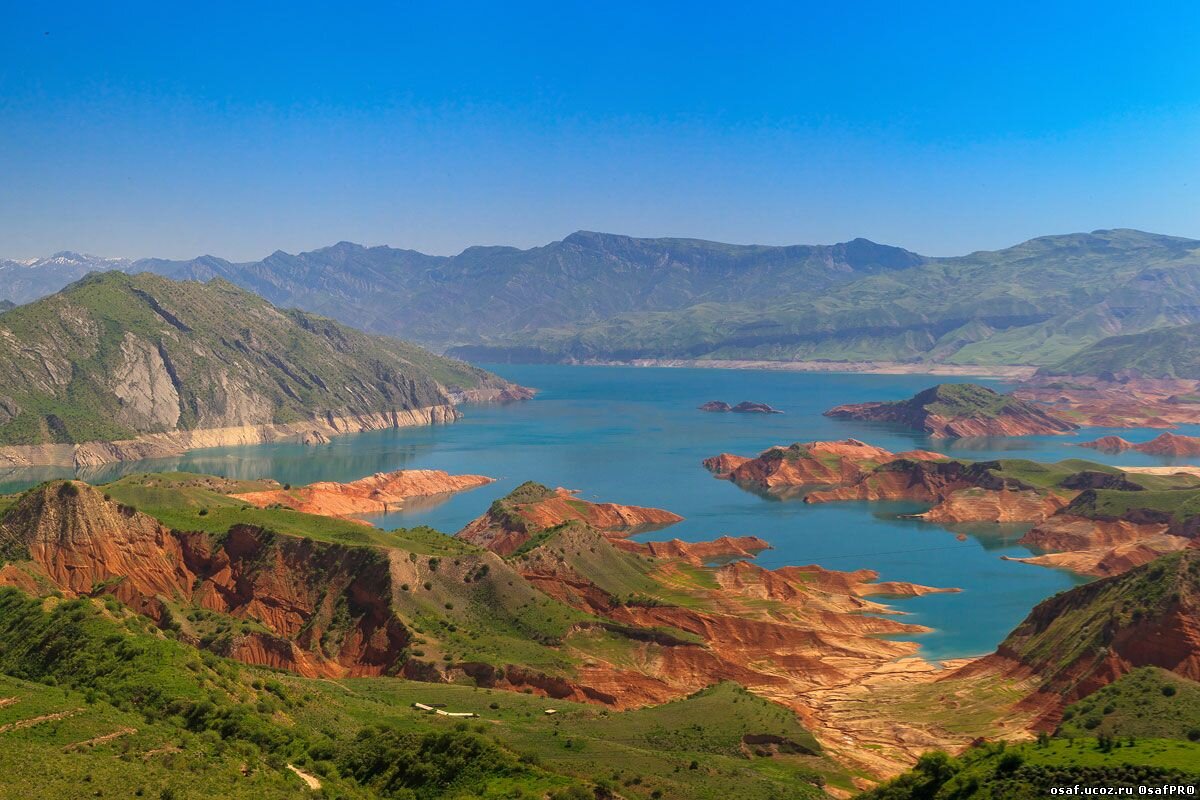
634	435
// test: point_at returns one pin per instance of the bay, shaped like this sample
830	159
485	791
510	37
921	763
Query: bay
634	435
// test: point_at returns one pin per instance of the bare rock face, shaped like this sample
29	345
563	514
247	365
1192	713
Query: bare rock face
747	407
145	388
716	405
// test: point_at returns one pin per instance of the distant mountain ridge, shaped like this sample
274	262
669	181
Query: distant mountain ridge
606	297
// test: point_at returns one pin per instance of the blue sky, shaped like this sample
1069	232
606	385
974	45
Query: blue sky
143	129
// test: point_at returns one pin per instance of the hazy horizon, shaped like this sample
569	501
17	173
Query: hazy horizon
394	246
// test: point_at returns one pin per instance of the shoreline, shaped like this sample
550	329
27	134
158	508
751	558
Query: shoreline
848	367
315	430
175	443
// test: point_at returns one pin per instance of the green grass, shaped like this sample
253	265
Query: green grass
1146	703
122	673
637	752
195	719
1176	505
177	500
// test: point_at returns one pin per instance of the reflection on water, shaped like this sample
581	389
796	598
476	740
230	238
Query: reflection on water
635	436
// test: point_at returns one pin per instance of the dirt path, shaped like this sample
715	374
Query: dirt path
29	723
8	701
108	737
311	781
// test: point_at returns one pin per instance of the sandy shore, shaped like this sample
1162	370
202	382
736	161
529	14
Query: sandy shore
864	367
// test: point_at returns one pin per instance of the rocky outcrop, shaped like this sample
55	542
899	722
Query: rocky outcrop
983	505
805	465
1098	548
513	520
959	491
324	609
1165	444
744	407
375	494
505	392
958	411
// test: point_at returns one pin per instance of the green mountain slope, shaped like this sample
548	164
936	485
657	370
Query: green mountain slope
1172	352
113	356
1082	639
1034	303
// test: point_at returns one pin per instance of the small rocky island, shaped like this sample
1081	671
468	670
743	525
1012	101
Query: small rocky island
959	410
1166	444
744	407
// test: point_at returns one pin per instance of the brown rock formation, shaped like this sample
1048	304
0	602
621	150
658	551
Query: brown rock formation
1097	547
86	545
1117	402
512	521
984	505
378	493
800	465
1165	444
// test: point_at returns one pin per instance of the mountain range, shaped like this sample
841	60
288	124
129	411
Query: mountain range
602	297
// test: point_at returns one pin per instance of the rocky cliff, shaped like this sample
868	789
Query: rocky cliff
955	410
118	366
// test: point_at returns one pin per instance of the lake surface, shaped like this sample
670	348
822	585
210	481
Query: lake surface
634	435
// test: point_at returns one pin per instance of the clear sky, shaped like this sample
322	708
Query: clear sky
140	129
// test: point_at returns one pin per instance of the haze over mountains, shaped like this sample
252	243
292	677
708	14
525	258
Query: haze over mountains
594	296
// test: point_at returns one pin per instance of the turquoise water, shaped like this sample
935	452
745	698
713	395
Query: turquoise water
633	435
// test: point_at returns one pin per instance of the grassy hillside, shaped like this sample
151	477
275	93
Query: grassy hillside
113	356
1029	771
100	697
1069	639
1146	703
1172	352
1142	729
